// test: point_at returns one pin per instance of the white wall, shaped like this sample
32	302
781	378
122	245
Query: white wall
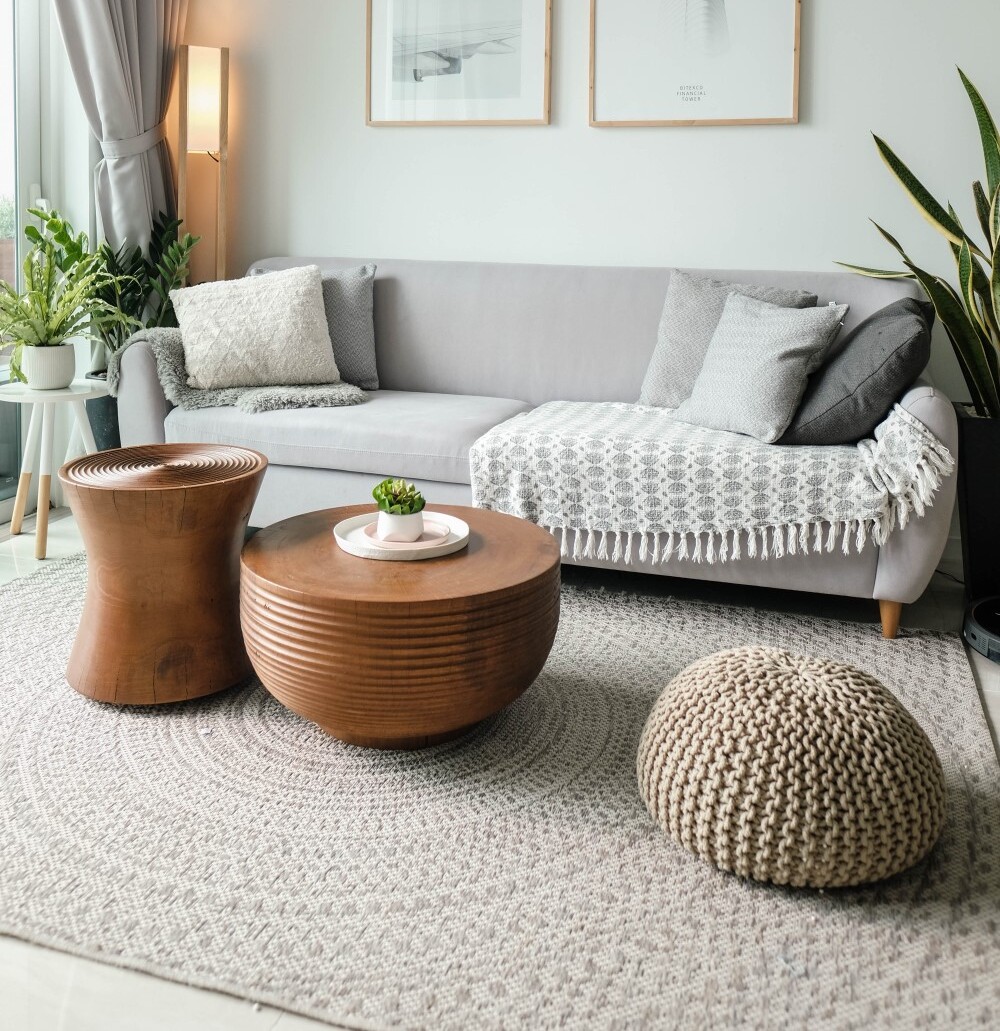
311	178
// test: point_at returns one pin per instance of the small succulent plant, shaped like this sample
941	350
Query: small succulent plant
397	497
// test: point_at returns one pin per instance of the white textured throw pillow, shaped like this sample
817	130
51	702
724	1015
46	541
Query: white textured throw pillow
757	366
260	331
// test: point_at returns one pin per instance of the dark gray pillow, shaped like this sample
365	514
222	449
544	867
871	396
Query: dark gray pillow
691	311
348	297
851	394
757	366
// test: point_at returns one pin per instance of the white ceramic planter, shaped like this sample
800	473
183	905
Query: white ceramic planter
49	368
399	527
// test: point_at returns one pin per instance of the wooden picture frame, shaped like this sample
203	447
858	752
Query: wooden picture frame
794	14
544	87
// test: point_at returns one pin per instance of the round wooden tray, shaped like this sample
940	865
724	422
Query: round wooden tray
399	654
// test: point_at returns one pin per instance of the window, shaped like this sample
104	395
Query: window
9	435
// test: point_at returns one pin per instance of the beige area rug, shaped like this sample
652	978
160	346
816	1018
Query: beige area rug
512	879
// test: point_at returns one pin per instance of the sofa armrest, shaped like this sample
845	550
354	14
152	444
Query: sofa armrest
909	557
142	406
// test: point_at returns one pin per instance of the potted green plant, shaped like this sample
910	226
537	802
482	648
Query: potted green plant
60	302
400	511
970	315
139	286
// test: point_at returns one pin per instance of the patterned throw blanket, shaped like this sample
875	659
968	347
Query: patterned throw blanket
629	482
168	351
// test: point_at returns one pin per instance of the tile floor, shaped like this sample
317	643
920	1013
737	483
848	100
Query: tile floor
44	990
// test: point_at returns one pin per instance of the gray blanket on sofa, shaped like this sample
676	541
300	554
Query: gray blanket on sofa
168	350
629	482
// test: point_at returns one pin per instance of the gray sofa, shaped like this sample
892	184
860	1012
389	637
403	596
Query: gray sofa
464	346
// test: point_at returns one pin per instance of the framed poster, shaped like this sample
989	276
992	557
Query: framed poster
458	62
694	62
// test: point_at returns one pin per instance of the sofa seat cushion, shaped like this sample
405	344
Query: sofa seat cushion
394	433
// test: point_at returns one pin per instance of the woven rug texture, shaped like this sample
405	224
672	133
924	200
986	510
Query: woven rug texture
512	878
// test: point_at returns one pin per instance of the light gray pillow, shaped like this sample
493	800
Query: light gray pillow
757	365
260	331
691	311
348	298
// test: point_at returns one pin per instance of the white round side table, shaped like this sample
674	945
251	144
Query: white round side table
43	416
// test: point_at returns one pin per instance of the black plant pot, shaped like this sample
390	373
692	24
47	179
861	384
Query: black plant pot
103	415
979	502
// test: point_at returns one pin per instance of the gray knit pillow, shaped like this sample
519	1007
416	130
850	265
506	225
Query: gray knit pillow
757	365
348	299
691	311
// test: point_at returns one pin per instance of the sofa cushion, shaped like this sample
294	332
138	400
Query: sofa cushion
394	433
348	298
691	311
757	366
260	331
851	393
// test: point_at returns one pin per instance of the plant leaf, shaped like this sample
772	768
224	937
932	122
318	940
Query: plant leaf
967	281
940	219
980	374
874	273
892	241
995	286
987	133
983	211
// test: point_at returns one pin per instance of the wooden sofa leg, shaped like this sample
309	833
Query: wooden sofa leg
890	611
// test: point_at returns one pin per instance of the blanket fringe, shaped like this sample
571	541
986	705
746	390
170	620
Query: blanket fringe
720	546
714	545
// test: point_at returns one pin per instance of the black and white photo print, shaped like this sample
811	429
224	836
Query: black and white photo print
435	62
694	62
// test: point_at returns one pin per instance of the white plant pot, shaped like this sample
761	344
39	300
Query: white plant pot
399	527
49	368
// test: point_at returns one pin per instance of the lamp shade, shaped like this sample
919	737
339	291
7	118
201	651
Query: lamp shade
204	98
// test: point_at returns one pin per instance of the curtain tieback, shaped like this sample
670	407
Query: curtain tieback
128	148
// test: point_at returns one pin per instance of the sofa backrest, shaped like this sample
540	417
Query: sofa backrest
544	332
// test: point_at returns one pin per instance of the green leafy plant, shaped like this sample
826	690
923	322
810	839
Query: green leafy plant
8	218
397	497
140	284
61	300
971	313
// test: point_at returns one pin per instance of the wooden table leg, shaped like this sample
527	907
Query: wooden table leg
83	425
27	462
44	480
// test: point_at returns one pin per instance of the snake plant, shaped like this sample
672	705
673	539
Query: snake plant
397	497
971	313
61	300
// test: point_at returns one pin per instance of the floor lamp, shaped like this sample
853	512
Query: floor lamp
203	128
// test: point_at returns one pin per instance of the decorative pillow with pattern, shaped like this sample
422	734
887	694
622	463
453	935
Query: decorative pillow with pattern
691	312
348	296
757	366
259	331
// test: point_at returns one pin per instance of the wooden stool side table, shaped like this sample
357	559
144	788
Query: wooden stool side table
163	525
43	413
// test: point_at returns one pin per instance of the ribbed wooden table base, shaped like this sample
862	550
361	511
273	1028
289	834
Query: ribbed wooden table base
163	526
399	654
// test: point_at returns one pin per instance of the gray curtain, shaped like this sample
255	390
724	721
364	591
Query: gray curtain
123	54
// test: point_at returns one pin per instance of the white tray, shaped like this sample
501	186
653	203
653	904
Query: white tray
351	537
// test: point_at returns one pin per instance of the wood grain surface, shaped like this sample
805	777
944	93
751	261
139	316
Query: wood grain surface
399	654
163	526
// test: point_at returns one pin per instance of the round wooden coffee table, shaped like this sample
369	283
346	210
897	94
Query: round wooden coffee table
163	525
399	654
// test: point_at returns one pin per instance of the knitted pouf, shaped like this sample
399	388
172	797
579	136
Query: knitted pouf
791	770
